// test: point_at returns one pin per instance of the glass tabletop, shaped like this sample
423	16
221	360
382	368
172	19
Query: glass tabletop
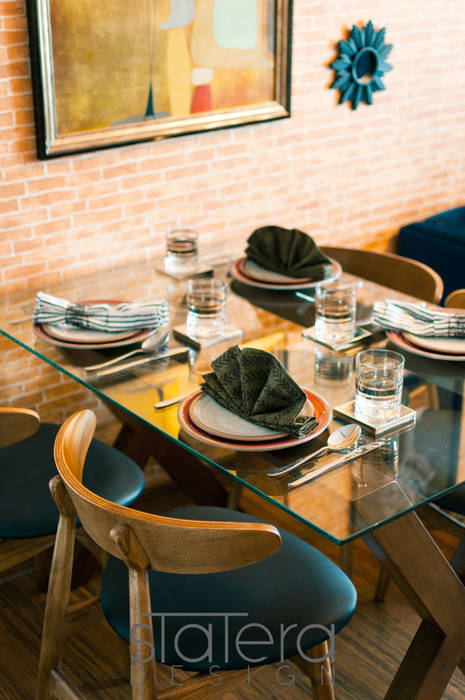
415	464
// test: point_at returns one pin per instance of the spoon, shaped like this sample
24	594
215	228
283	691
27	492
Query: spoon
340	440
152	342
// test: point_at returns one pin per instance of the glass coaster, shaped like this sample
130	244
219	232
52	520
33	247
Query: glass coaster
360	334
346	410
203	267
231	333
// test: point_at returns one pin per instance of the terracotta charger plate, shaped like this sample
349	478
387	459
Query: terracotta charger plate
243	271
279	441
65	336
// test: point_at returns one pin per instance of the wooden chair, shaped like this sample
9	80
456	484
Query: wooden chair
28	515
394	271
456	299
199	561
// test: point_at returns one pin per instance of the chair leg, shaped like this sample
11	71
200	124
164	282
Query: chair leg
318	671
234	495
141	648
58	593
143	672
382	584
347	560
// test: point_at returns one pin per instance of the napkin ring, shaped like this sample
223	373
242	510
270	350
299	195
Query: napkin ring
77	315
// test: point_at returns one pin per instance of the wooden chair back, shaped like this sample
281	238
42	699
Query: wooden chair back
456	299
169	544
17	424
394	271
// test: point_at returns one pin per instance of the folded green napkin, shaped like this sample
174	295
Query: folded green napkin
255	385
289	251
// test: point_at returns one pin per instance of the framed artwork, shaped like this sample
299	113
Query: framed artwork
109	72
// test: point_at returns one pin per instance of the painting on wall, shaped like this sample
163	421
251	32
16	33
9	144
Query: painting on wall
111	72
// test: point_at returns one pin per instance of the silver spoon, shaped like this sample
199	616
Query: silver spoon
340	440
152	342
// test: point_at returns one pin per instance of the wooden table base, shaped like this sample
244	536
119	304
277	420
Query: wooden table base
139	441
433	587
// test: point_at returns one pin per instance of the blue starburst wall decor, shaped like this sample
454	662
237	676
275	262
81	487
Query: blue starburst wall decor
361	65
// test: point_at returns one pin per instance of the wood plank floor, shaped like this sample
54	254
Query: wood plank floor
368	650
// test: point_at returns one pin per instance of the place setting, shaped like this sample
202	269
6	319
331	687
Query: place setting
106	325
437	334
280	259
249	402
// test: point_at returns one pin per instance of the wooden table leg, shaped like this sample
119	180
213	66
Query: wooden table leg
139	441
429	582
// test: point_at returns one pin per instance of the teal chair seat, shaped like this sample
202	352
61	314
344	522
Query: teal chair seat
28	466
296	587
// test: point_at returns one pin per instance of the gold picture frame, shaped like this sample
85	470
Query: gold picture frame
108	73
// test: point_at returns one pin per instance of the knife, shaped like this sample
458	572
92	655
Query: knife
174	399
337	462
137	363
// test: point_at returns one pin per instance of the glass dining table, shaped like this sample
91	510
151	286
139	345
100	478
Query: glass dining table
377	497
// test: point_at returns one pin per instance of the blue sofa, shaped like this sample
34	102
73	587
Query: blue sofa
440	243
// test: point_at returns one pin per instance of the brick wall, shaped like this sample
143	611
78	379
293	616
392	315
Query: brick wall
344	176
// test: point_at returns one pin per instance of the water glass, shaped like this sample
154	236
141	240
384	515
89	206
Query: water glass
206	307
181	250
379	376
335	313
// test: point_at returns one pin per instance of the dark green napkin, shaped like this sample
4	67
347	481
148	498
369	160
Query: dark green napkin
255	385
289	251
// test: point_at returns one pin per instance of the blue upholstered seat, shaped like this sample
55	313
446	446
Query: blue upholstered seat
439	242
297	586
27	508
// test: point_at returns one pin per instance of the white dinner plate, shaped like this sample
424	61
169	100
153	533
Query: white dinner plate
65	331
210	416
452	346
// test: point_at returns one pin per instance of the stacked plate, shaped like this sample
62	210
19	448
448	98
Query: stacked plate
206	420
249	272
68	336
433	347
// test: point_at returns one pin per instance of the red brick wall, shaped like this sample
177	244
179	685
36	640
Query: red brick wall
348	176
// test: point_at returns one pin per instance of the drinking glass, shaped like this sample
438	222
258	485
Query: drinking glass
206	307
379	377
335	313
181	249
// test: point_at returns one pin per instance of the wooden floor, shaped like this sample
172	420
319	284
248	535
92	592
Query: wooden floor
368	650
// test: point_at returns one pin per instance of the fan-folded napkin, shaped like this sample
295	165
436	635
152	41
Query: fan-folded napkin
253	384
288	251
